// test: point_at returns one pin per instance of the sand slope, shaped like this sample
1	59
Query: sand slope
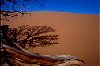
79	33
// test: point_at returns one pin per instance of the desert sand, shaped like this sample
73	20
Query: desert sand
78	33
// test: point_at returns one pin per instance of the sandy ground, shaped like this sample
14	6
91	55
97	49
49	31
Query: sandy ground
78	33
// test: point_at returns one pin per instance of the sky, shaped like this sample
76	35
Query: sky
73	6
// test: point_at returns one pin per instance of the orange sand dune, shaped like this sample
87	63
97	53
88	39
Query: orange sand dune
79	33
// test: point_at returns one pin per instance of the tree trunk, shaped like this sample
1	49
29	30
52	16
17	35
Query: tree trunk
32	58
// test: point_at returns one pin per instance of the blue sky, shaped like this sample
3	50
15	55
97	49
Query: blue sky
74	6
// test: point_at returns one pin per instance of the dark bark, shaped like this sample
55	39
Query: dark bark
31	58
5	58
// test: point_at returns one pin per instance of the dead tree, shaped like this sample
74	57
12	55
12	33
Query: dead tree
32	36
27	36
42	60
14	41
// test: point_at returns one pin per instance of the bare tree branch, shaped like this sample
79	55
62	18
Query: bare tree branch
32	58
32	36
14	8
29	57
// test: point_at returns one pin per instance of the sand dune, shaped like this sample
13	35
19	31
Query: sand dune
79	33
